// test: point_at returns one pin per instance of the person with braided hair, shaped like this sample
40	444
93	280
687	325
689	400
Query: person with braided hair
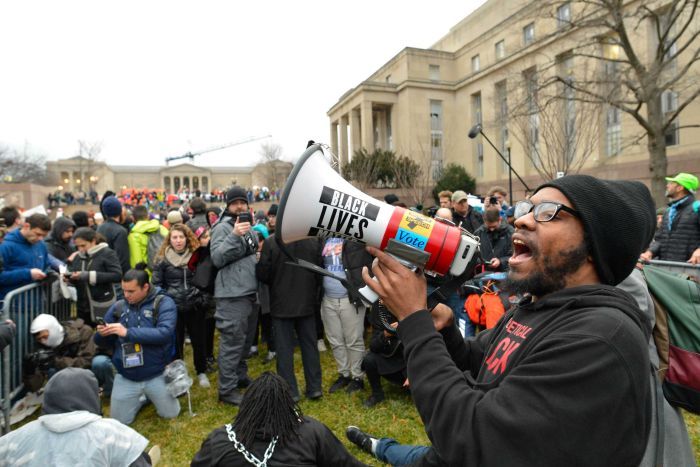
271	430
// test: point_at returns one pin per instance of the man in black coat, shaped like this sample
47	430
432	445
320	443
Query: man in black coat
113	230
495	239
678	238
59	240
563	378
463	215
294	299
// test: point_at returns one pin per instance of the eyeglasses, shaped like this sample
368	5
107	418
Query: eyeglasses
544	212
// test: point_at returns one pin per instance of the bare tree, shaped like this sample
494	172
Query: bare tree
417	175
364	169
22	166
90	155
651	82
558	132
270	156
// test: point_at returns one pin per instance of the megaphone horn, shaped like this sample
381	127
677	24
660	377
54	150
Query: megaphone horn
318	202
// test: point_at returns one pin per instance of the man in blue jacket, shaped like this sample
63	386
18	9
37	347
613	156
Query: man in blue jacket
140	329
24	255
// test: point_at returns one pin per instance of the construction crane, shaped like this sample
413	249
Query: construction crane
191	155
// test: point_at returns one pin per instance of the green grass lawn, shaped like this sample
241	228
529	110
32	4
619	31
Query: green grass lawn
396	417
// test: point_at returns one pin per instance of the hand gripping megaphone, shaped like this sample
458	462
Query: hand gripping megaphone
318	202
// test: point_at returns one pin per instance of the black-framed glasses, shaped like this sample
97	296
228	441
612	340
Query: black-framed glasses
544	211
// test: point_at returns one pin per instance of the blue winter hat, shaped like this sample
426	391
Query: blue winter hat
111	207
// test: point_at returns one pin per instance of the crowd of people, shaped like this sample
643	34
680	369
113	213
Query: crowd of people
560	376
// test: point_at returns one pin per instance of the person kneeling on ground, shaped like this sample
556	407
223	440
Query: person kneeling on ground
63	345
72	431
270	429
141	331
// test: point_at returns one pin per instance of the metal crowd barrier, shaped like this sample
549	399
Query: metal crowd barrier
22	305
677	267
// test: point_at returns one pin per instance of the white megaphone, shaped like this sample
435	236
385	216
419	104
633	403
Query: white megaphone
318	202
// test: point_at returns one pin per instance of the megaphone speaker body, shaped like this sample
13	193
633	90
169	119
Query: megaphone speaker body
318	202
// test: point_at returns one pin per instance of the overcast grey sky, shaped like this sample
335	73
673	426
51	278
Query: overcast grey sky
152	79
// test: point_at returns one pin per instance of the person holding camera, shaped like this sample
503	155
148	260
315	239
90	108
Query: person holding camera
63	345
172	274
95	272
233	246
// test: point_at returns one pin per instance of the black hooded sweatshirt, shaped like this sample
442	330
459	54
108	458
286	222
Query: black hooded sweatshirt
57	247
559	381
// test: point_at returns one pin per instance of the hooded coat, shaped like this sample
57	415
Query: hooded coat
138	240
19	257
71	430
56	246
563	380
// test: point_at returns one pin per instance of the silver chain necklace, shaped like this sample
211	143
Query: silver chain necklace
248	455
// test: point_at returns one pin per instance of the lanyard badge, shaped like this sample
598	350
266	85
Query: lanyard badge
132	355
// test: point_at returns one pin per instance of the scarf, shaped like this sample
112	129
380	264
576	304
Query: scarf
178	259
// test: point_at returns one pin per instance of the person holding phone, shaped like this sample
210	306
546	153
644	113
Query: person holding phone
233	247
95	272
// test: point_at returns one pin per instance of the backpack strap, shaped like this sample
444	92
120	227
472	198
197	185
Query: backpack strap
118	309
156	307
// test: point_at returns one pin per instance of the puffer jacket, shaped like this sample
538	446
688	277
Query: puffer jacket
234	256
678	243
100	272
174	280
57	247
138	240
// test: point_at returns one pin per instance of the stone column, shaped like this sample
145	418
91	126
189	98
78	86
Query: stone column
343	154
394	127
355	131
381	125
367	126
334	138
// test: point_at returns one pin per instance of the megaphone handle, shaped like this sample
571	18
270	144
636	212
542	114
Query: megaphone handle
368	295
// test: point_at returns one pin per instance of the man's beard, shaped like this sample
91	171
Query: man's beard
552	276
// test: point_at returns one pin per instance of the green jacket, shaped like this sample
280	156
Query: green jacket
138	240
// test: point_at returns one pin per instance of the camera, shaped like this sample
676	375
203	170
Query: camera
100	321
245	217
493	200
41	359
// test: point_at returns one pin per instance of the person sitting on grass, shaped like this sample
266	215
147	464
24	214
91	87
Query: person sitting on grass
270	429
72	431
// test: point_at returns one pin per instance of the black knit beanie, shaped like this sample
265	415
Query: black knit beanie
236	193
618	217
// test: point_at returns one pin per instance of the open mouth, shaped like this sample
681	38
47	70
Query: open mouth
521	252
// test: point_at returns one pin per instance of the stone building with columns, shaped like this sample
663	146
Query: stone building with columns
78	173
422	103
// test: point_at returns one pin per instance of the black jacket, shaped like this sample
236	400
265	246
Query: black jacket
561	381
496	244
389	349
7	333
116	236
472	221
679	243
316	445
100	272
294	292
355	257
58	248
174	281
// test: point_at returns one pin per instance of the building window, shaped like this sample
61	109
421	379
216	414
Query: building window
613	131
205	184
566	73
436	143
166	184
479	148
529	34
65	179
500	50
669	103
564	15
195	183
476	63
434	72
533	136
176	184
501	94
186	182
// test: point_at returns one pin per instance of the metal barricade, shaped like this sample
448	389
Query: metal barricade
677	267
22	305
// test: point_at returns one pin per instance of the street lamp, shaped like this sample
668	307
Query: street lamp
510	173
477	130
